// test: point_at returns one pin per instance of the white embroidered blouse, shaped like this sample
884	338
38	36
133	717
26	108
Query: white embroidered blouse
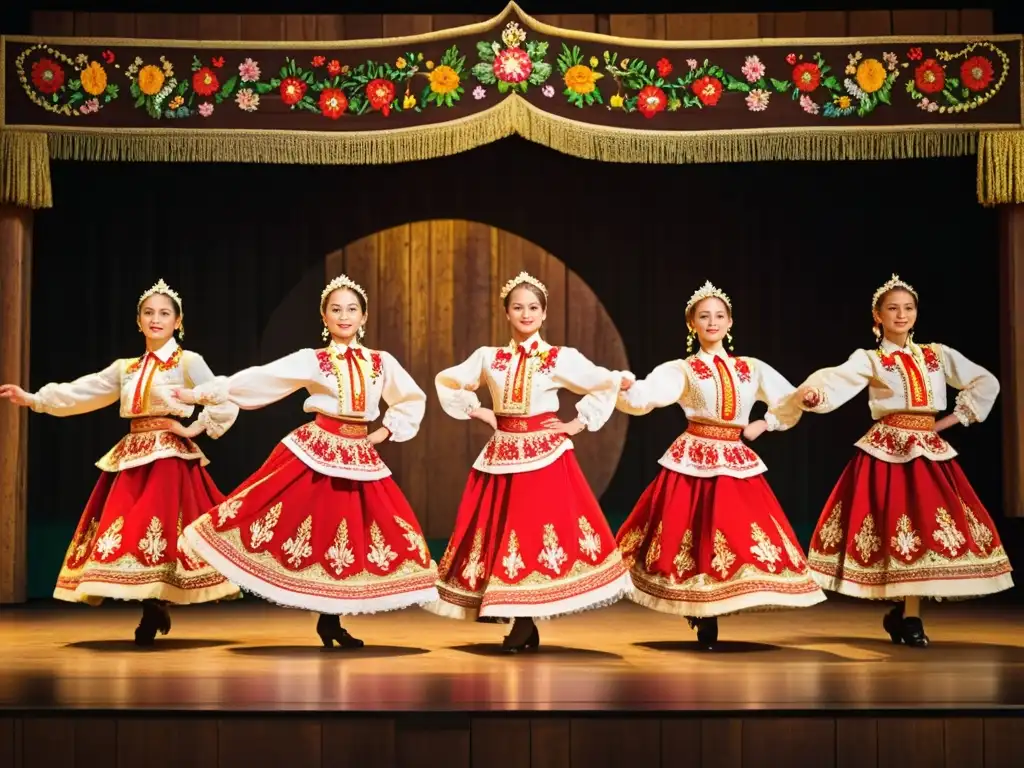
343	382
144	386
716	393
901	381
523	381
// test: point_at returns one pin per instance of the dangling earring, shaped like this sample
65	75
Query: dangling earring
910	336
325	334
878	333
361	332
181	332
728	340
689	341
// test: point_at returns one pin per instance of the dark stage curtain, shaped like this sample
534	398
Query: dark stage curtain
800	247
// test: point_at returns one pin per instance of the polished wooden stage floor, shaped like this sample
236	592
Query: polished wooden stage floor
251	656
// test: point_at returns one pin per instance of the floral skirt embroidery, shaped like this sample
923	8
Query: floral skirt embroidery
908	529
125	546
711	546
328	544
529	544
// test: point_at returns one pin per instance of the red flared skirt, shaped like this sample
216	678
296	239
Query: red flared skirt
711	546
327	544
909	529
126	543
529	544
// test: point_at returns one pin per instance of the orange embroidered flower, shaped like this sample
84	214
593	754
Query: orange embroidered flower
581	79
444	79
94	79
871	75
151	80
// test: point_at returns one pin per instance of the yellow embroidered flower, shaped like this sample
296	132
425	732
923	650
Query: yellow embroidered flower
94	79
616	101
151	80
400	64
176	102
409	102
581	79
594	62
430	64
843	102
444	79
419	57
624	63
870	75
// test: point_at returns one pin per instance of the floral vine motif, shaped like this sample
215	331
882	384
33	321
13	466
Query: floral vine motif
66	86
512	68
970	90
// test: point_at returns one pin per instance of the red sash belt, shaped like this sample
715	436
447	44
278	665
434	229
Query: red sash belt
919	422
151	424
714	431
524	423
342	427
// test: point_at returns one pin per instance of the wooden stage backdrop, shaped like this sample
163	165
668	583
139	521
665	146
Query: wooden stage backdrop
436	284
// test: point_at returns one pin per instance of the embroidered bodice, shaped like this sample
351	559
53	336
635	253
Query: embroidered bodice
718	392
345	382
524	380
906	380
144	387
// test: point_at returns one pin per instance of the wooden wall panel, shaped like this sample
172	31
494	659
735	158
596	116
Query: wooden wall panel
471	741
433	300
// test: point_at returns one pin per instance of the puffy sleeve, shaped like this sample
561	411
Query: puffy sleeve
457	401
85	394
407	403
663	386
840	384
978	388
260	385
216	419
774	389
599	386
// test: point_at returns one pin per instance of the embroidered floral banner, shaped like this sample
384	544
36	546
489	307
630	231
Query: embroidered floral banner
590	95
585	78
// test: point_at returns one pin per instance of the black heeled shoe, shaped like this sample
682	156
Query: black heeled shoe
155	618
707	630
330	631
531	643
892	623
908	630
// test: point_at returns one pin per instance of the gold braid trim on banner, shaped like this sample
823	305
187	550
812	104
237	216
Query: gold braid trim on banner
1001	167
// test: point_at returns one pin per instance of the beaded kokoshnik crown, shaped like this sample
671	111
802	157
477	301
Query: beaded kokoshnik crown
707	291
893	284
520	279
161	287
342	281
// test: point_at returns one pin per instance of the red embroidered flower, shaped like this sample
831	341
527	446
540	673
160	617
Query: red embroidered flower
708	90
108	56
650	101
976	73
742	369
931	359
512	65
334	67
324	358
47	75
929	77
915	54
292	90
381	93
217	61
664	67
501	360
333	103
548	360
888	361
791	58
318	61
806	76
204	82
700	368
377	365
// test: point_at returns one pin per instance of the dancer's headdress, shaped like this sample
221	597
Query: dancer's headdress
893	284
342	281
520	279
707	291
161	287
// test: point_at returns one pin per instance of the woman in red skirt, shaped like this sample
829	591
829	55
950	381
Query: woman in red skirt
903	522
708	537
154	480
530	540
322	524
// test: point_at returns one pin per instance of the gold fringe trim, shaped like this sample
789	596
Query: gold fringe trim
1000	167
25	152
25	169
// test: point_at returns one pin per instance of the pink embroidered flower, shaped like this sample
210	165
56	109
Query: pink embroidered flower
753	69
92	105
206	109
249	71
247	100
512	65
692	64
479	92
548	91
927	106
757	100
808	105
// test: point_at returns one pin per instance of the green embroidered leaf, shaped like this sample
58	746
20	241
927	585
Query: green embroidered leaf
196	63
74	85
484	72
953	82
275	82
965	93
781	86
883	96
832	84
134	89
284	71
141	100
953	99
76	97
541	72
485	51
503	87
733	84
